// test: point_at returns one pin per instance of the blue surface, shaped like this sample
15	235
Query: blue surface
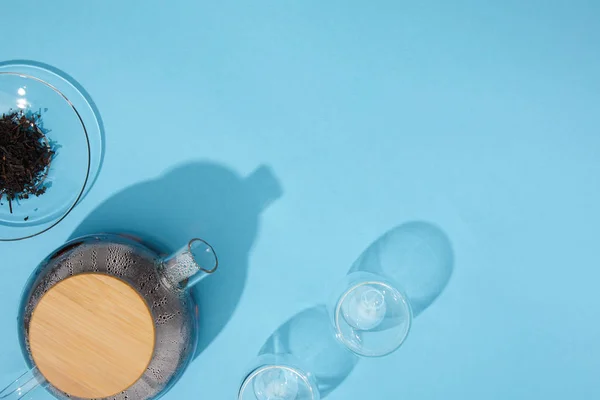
479	117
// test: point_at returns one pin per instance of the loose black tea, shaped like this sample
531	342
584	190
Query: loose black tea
25	156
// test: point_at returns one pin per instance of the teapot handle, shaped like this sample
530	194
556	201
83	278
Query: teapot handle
23	385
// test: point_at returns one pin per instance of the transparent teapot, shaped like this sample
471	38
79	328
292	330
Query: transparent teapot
161	282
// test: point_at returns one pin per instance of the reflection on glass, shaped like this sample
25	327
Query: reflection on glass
22	103
276	382
365	307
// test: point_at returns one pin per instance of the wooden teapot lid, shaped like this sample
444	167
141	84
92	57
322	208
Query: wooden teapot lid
91	336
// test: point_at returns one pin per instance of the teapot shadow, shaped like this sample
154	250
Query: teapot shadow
309	337
417	255
198	199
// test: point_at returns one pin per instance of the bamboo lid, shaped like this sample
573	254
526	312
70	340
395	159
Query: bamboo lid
91	336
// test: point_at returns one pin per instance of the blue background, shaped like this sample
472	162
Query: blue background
481	117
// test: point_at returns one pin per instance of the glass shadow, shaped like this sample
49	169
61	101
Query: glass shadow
309	337
417	255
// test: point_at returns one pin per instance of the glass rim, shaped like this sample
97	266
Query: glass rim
258	370
212	250
89	154
338	315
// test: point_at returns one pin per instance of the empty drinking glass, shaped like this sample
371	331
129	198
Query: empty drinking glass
370	314
278	377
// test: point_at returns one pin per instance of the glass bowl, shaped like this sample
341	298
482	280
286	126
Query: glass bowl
69	170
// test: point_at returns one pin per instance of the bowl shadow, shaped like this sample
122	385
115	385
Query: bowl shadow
197	199
416	255
309	337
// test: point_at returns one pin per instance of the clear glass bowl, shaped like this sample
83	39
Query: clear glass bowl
69	172
278	377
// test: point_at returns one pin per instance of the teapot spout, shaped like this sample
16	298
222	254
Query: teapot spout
190	264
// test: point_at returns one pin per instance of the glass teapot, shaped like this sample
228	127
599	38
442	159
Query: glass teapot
120	269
